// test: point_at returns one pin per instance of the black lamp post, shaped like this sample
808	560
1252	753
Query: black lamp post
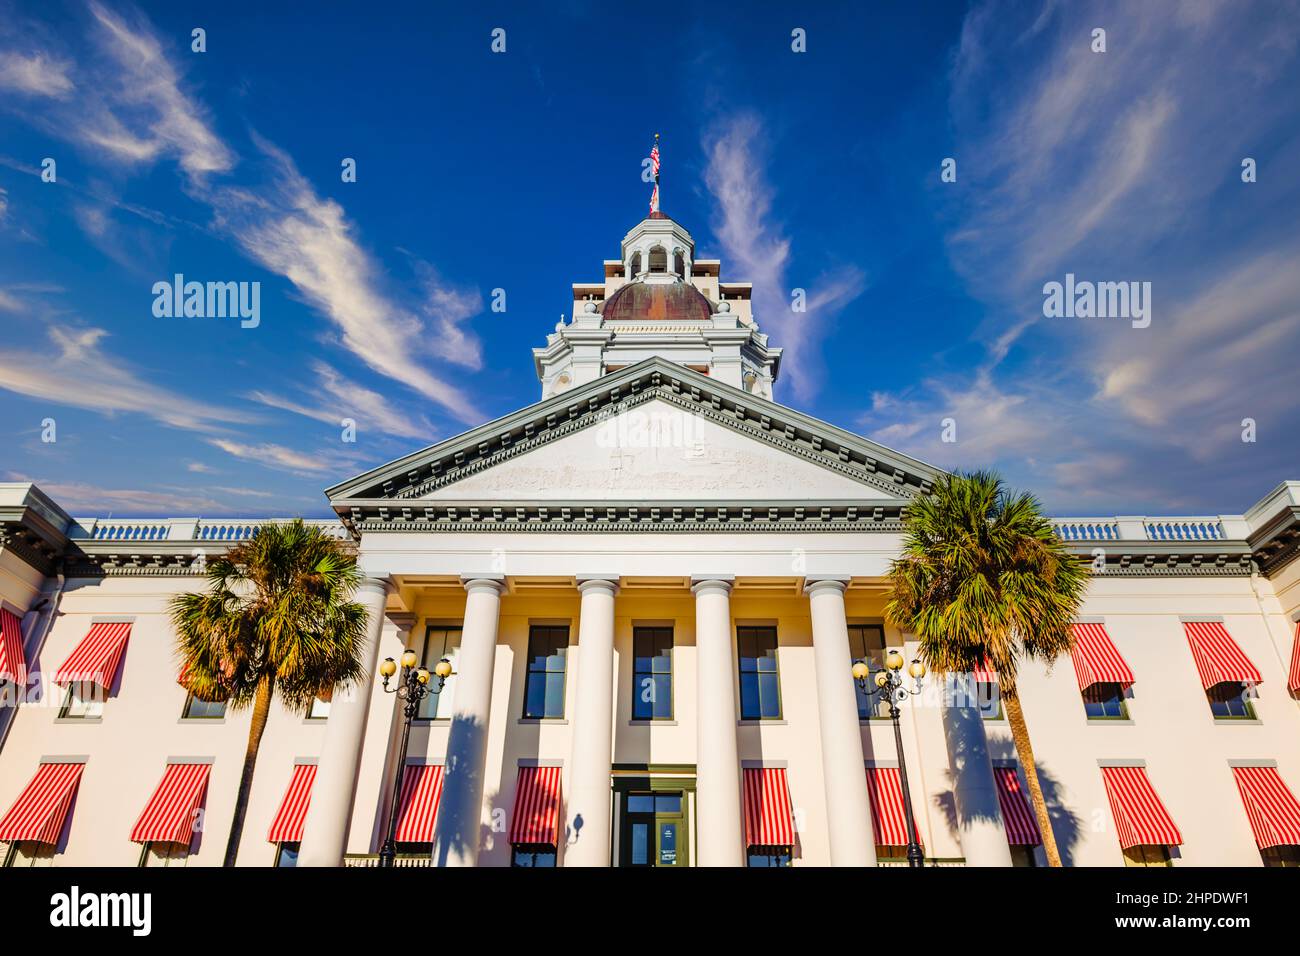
889	687
412	687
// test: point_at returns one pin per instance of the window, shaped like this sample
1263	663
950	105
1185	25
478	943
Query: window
1287	856
85	701
760	682
652	673
658	259
1105	702
320	710
634	267
164	854
532	854
867	643
1148	856
988	697
1230	701
196	709
544	691
27	853
679	263
1023	856
440	641
760	856
286	854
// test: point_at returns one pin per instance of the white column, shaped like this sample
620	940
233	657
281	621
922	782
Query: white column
460	812
588	814
325	831
848	807
979	815
719	835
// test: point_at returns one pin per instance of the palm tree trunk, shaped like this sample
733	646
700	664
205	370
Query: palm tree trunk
261	709
1025	751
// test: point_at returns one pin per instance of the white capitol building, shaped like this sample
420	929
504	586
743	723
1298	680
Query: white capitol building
656	521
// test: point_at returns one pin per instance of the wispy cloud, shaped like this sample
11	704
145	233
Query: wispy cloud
293	231
283	458
1095	164
36	75
757	247
349	399
132	103
80	373
150	114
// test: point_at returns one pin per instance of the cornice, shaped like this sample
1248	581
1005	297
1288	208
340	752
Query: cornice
528	517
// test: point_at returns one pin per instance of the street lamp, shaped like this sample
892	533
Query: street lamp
412	687
889	687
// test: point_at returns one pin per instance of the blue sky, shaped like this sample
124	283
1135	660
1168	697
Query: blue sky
521	170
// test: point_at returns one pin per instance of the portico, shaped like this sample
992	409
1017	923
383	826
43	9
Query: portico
712	726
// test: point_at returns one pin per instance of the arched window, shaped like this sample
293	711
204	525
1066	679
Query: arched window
658	259
634	267
679	263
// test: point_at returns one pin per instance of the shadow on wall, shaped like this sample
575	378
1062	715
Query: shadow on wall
1066	824
460	813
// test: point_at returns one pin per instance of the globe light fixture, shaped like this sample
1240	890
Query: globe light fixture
412	687
889	687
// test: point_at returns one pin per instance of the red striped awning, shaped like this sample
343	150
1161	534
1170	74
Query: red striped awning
1096	658
96	658
985	674
1272	808
1140	818
287	825
40	810
1218	658
537	806
170	815
1293	679
13	666
888	821
418	809
769	815
1019	820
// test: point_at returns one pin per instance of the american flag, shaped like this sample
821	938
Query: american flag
654	165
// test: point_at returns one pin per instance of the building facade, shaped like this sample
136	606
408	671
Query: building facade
652	585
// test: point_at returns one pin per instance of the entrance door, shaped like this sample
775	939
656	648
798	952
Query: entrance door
654	830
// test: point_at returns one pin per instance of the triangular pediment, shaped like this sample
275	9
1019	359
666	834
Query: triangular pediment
653	450
655	431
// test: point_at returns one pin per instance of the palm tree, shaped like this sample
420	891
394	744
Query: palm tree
276	618
984	579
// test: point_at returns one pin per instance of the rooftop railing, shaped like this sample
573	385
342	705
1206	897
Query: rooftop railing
186	529
1137	528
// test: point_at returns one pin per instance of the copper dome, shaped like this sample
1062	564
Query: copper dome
658	301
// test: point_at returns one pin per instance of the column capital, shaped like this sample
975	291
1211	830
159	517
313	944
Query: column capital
815	582
484	582
712	582
597	582
374	582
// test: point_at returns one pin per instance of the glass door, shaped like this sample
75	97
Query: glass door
654	830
